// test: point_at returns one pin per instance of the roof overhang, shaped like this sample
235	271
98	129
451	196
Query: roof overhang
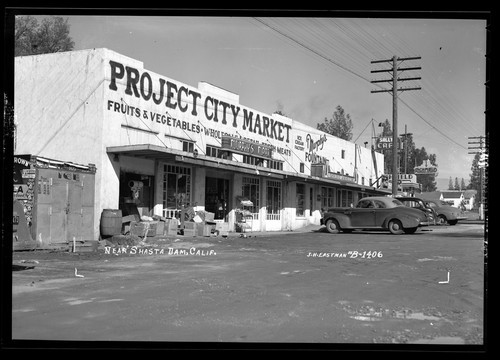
155	152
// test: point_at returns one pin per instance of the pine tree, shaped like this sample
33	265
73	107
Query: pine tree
450	184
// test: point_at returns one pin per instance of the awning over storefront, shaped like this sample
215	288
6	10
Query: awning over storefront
338	183
155	152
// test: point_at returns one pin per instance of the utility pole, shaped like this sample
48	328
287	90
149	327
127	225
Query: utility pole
394	91
479	147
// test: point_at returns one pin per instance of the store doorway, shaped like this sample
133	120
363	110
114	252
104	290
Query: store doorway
136	189
217	197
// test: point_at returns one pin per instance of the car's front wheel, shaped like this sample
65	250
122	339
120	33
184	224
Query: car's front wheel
410	230
332	226
452	222
395	227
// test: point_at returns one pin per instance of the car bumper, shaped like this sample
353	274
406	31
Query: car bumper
424	223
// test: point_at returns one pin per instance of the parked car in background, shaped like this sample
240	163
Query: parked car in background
417	203
445	213
375	213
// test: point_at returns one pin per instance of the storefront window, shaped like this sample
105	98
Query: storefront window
176	186
349	198
327	197
344	198
301	195
250	190
273	200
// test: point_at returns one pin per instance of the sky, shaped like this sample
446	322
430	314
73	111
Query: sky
306	67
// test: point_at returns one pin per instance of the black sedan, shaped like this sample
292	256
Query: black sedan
375	213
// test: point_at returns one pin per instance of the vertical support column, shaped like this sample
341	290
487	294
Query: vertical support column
395	126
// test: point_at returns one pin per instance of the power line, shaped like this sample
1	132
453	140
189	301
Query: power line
312	50
370	40
432	126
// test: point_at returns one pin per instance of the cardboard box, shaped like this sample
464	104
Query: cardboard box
209	216
139	228
222	228
207	230
190	225
189	232
128	218
170	228
151	227
199	229
160	228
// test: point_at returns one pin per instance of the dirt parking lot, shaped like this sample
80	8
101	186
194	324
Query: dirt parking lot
309	287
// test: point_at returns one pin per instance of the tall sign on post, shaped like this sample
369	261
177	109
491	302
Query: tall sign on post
394	80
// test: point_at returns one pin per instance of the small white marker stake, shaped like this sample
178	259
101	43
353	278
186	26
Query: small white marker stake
77	275
447	281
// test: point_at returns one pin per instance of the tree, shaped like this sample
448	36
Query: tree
457	186
475	177
340	125
32	38
462	184
450	184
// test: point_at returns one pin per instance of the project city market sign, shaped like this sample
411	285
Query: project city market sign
170	95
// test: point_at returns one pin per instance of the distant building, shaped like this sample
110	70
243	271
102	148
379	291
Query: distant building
433	195
470	199
453	197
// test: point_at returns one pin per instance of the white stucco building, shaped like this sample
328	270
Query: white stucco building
156	141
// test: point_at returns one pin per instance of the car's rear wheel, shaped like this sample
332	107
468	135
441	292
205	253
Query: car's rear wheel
395	227
410	230
332	226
